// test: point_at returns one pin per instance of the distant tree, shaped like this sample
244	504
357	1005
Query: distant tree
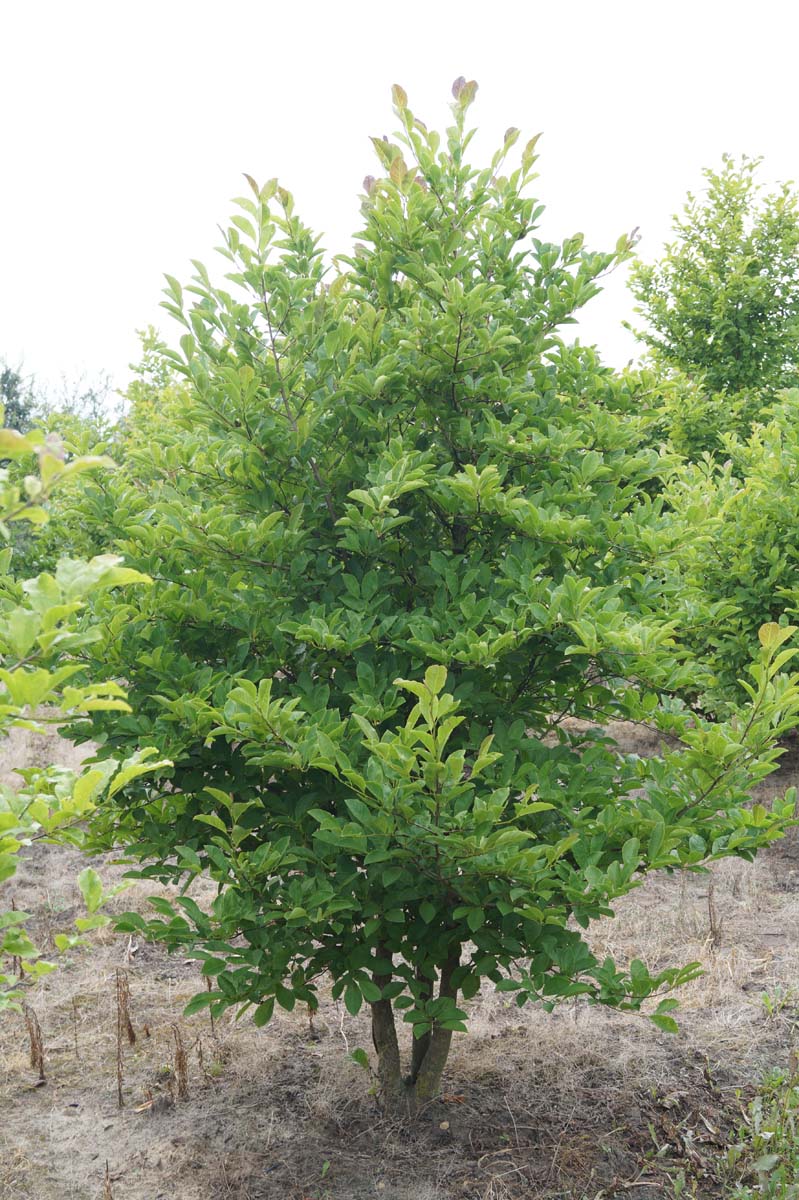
153	373
79	417
18	399
722	304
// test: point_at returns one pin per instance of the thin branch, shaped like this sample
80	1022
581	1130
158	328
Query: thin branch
290	417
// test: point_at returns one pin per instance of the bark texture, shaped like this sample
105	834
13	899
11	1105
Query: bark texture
407	1096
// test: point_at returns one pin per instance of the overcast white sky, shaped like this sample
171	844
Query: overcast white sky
126	127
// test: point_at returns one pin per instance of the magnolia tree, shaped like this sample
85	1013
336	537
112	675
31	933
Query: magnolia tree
721	307
746	562
724	299
400	534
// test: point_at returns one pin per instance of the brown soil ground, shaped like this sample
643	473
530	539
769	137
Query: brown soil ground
581	1103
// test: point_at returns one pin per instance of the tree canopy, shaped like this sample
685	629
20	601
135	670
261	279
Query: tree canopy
723	301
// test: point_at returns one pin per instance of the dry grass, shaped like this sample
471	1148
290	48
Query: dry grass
575	1104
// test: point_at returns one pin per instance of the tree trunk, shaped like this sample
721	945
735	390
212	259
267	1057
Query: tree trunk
421	1044
419	1049
384	1037
406	1097
389	1071
427	1081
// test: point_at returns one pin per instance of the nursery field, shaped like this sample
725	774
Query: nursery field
580	1103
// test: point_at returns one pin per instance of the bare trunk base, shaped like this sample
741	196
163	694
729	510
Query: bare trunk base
407	1096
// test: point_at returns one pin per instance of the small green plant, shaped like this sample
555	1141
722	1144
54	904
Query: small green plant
779	1000
682	1188
763	1164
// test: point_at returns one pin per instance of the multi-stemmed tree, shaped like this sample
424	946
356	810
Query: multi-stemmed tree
400	532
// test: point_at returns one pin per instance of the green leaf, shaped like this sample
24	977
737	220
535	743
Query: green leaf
198	1002
285	998
263	1012
771	635
134	767
360	1057
98	921
63	941
20	628
214	966
435	678
14	444
213	820
189	857
475	919
353	999
371	992
88	785
91	888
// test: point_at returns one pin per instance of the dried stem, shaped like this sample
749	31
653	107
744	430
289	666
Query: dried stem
181	1070
36	1042
124	1027
713	916
16	961
210	1012
75	1024
123	1007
